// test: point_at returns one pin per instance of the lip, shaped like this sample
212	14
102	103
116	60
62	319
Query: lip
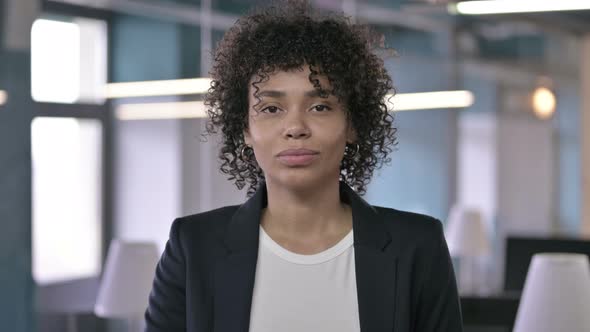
297	157
297	152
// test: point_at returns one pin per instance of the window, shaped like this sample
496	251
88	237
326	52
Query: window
67	194
68	77
68	60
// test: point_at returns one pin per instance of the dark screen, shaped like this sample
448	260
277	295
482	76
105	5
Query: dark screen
520	250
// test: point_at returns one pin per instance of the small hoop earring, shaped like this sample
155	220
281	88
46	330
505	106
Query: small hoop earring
243	152
356	149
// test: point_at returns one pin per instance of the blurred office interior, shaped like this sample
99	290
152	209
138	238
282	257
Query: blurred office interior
85	160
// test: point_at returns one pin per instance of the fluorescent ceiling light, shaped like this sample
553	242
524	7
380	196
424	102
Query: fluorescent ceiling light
158	88
487	7
161	111
429	100
403	102
3	97
196	109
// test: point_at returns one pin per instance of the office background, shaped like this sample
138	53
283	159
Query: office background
76	171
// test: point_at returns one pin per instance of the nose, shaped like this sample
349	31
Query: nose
297	132
295	126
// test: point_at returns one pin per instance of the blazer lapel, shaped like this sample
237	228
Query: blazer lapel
376	265
234	284
234	275
376	289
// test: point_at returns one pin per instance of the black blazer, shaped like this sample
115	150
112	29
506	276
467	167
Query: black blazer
205	277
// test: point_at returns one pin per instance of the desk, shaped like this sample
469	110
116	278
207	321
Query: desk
68	306
494	311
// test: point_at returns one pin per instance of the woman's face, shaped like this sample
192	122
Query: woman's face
298	137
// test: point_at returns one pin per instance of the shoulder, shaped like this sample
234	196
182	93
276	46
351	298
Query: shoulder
415	234
409	223
419	238
219	214
208	223
424	262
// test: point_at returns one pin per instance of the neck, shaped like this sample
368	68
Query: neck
306	213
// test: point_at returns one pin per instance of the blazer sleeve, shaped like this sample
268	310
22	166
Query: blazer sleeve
167	307
439	308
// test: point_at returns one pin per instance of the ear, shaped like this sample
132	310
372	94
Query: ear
351	135
247	137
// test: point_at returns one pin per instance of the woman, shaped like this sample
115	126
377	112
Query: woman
299	102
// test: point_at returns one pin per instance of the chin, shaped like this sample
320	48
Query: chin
302	179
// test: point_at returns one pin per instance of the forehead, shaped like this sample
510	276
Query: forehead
297	79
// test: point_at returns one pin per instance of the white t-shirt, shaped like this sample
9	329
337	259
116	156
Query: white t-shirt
312	293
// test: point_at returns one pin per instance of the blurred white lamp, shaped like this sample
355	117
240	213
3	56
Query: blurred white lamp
556	295
467	240
126	281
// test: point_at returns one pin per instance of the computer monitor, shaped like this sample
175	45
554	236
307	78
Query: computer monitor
520	250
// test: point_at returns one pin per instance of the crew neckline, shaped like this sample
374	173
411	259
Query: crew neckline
317	258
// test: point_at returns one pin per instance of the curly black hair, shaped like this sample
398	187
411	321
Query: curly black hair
290	35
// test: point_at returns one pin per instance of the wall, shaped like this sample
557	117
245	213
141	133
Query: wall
163	168
16	284
204	186
147	153
521	171
569	166
421	176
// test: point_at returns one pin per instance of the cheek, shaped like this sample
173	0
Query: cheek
334	133
261	140
260	136
334	143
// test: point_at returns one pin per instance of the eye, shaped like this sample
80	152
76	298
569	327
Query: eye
322	108
270	110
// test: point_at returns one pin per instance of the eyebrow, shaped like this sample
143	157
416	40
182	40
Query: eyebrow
280	94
